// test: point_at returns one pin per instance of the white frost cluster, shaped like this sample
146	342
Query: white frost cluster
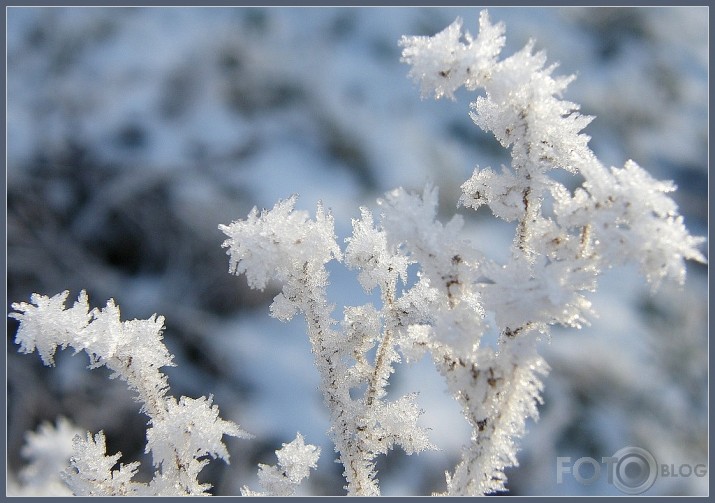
633	219
442	63
91	471
295	460
558	252
281	245
180	434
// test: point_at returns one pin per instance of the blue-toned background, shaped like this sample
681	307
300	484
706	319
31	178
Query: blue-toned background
133	133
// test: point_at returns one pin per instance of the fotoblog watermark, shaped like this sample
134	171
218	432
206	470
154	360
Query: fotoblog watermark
632	470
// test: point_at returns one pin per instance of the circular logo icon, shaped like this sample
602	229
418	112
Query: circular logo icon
635	471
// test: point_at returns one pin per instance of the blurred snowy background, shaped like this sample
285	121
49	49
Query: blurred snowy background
133	133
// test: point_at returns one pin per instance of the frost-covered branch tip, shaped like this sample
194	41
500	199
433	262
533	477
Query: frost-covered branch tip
619	214
295	460
443	63
180	434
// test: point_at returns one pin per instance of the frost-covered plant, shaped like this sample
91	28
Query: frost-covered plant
181	434
563	241
559	250
285	245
